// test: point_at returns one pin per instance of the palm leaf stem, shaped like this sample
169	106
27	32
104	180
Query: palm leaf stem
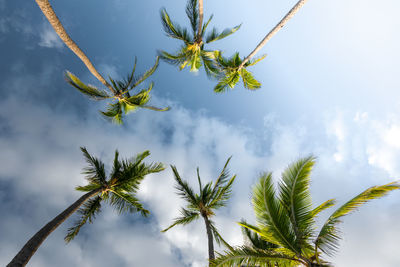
278	26
51	16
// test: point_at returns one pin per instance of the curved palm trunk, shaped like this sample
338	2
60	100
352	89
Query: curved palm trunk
24	255
280	25
51	16
211	255
200	26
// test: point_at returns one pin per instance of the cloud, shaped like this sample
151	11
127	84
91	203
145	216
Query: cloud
49	38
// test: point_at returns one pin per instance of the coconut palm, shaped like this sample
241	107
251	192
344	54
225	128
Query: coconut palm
285	218
119	191
118	89
234	68
124	102
192	52
211	197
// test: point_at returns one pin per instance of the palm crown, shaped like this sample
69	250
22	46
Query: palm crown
192	53
286	219
211	197
125	102
119	190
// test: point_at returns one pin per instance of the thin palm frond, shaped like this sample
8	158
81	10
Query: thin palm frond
173	30
147	74
87	212
95	172
328	237
91	91
126	202
192	13
215	36
184	190
186	217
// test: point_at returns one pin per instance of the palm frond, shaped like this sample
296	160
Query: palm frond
249	82
88	90
246	256
205	25
186	217
215	36
113	112
147	74
229	80
328	237
296	199
327	204
271	215
184	190
89	187
193	15
178	59
87	212
254	61
254	238
95	172
221	196
173	30
125	202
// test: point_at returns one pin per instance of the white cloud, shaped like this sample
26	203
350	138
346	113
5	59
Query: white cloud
49	38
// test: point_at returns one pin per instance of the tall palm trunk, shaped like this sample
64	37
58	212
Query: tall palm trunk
279	26
200	26
211	255
24	255
51	16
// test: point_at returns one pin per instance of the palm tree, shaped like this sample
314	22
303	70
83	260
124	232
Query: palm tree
125	102
192	53
231	69
286	219
119	190
210	198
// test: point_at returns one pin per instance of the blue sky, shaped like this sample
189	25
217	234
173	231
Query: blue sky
330	88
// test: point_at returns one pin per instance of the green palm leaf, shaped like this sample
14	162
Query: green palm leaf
88	90
271	215
215	36
328	237
173	30
186	218
95	172
246	256
87	212
295	197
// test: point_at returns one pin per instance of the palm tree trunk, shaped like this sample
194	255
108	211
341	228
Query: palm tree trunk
24	255
51	16
211	255
279	26
200	26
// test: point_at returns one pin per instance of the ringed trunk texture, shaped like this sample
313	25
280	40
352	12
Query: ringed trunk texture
24	255
200	26
279	26
51	16
211	255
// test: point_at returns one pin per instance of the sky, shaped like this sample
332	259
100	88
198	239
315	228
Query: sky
329	88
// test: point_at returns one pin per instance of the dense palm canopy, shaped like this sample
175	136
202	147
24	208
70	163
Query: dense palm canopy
286	220
119	190
125	102
192	52
211	197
